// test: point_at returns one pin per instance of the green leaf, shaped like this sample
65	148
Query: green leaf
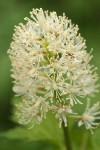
48	130
6	144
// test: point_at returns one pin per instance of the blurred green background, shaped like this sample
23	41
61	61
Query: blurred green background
85	13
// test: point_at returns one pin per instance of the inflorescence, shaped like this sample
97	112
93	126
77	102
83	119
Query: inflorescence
51	70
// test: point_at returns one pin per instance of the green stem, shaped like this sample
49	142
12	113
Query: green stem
67	137
84	141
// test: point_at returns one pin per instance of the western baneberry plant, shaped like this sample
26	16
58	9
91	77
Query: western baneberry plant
51	71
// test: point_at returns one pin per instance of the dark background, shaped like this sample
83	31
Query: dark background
85	13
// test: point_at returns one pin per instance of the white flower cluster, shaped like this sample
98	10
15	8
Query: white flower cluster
50	67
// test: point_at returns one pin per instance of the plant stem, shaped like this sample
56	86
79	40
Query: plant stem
84	141
66	137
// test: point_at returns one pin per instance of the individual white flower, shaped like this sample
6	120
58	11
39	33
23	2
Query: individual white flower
49	60
91	116
62	112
